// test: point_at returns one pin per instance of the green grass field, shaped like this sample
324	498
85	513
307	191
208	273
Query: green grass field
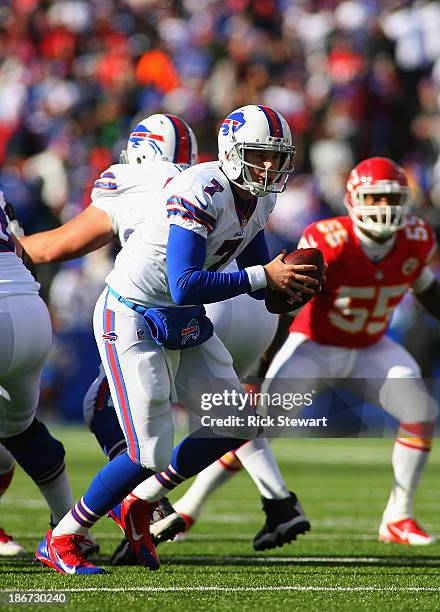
339	565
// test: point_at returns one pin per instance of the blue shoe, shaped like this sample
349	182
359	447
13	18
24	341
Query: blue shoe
64	554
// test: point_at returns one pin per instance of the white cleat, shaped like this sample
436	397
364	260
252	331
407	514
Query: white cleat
166	523
406	531
8	546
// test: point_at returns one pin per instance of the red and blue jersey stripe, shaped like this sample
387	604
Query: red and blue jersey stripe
107	180
176	205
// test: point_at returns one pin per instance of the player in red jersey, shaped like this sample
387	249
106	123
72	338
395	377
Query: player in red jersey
374	256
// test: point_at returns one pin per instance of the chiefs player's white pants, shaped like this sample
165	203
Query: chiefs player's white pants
143	377
392	377
245	327
25	341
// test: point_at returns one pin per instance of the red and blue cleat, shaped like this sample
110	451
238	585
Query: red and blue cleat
133	515
64	554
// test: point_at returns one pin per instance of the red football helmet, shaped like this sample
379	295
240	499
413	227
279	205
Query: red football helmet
378	176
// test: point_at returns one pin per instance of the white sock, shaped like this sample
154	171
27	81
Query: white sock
257	459
69	525
159	485
150	490
58	495
210	479
408	464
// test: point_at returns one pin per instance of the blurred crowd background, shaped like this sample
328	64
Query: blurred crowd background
353	78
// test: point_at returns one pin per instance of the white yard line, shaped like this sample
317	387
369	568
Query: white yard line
232	559
360	560
200	537
185	589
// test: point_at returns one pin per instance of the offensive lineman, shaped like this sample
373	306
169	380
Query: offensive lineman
165	267
23	353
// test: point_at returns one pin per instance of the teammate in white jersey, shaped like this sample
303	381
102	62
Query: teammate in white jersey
23	352
153	334
159	147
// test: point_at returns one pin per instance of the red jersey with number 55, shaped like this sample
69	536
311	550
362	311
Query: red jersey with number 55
359	297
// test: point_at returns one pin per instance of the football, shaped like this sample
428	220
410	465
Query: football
278	302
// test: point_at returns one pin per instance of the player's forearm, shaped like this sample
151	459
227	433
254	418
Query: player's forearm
430	299
190	284
83	234
61	244
201	287
45	247
51	247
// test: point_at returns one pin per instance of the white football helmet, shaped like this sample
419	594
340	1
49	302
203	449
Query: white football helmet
161	137
256	128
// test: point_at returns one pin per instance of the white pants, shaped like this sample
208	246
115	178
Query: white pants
245	327
144	377
385	372
26	338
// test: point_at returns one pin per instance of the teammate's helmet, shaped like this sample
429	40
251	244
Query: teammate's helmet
258	128
161	138
378	176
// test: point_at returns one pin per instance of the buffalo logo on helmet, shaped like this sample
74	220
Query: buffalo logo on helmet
140	133
191	331
233	123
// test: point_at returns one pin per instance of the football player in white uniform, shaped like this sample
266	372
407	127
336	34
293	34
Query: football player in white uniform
23	352
242	323
159	147
154	337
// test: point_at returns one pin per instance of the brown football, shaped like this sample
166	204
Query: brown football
279	302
